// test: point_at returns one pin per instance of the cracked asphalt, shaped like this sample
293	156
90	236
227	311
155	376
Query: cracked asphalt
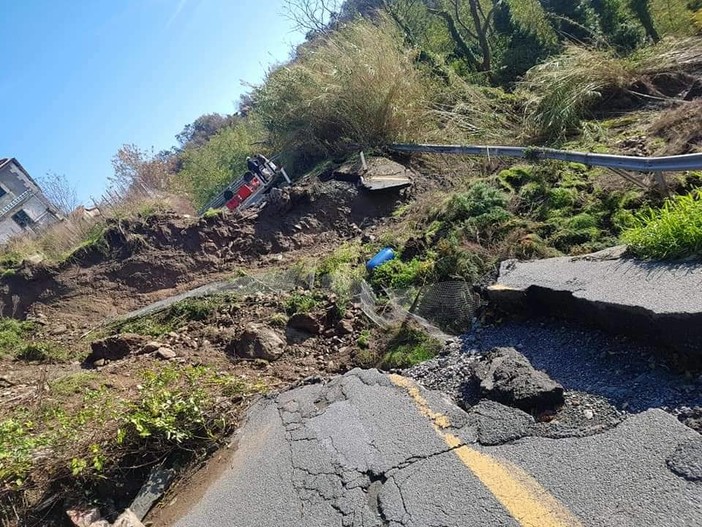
367	449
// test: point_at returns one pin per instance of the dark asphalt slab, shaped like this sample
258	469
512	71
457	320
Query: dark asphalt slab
367	449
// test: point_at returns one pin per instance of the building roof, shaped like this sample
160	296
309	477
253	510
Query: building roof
7	160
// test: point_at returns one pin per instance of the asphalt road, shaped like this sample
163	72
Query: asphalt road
368	449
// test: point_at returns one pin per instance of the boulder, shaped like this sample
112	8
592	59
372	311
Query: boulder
127	519
345	327
116	347
304	322
259	342
165	353
151	347
506	376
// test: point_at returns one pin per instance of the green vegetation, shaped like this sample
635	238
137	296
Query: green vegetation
408	347
18	341
211	167
173	410
364	339
301	303
672	231
176	316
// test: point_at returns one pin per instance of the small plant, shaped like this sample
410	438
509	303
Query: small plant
300	303
364	339
410	346
670	232
397	274
13	335
44	352
278	320
212	213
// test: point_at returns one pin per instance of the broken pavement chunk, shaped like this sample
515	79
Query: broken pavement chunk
506	376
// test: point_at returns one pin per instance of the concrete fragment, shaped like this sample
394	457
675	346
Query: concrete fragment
507	376
128	519
498	424
655	301
152	490
83	517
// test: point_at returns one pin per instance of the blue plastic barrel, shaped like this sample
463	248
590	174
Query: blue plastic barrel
385	255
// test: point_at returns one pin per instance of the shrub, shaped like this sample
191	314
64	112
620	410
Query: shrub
300	303
209	169
481	203
356	88
408	347
673	231
397	274
563	90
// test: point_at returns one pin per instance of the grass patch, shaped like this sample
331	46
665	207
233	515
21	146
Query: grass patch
14	335
43	352
176	316
408	347
97	434
301	303
670	232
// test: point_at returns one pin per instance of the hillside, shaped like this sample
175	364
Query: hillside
110	367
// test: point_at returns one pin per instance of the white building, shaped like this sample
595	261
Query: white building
23	206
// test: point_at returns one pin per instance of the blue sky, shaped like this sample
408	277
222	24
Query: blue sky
82	77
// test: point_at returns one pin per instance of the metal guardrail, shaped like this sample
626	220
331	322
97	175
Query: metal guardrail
638	164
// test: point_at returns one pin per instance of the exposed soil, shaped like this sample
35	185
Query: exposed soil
143	260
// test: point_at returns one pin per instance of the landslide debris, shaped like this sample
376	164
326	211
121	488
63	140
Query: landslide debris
142	259
506	376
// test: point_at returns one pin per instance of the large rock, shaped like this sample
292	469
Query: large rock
304	322
259	342
506	376
116	347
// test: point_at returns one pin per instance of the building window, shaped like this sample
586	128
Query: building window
22	219
2	192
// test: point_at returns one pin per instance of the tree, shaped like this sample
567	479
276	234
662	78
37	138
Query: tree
59	191
642	10
201	129
134	167
313	16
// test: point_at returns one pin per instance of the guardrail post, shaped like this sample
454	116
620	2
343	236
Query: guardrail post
661	184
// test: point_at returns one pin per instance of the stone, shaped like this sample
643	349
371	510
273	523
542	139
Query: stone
345	327
589	414
151	347
128	519
304	322
83	517
116	347
100	363
166	353
506	376
258	342
59	330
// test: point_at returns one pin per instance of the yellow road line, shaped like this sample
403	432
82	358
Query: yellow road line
523	497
